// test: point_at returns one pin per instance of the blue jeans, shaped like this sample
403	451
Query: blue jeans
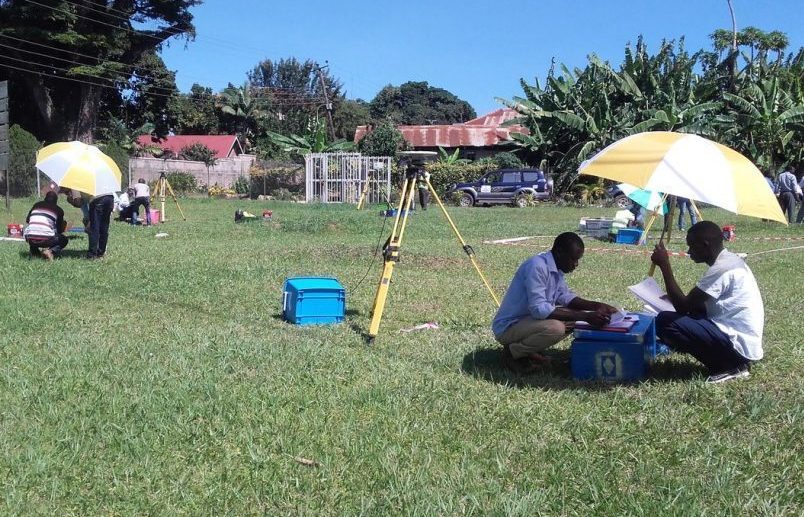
135	209
685	206
55	244
701	338
100	212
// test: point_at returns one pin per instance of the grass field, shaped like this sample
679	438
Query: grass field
162	379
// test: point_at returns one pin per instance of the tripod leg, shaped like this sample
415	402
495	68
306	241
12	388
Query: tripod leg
466	248
170	189
391	255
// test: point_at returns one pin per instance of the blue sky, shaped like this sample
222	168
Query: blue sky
478	50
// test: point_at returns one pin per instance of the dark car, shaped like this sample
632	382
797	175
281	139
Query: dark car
620	199
505	186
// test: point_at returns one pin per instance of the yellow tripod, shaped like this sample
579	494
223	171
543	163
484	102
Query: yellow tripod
161	189
365	191
394	243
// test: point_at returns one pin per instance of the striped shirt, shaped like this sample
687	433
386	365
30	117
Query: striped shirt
44	220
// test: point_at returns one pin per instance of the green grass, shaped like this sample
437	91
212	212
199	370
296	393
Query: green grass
162	379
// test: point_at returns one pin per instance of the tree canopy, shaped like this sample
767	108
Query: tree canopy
69	61
418	103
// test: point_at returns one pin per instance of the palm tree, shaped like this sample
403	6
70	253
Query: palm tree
244	108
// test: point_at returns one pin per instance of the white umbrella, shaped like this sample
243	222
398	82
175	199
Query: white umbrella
79	166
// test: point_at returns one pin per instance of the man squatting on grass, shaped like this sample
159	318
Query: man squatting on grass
539	310
720	321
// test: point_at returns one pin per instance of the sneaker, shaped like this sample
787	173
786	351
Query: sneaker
48	255
737	373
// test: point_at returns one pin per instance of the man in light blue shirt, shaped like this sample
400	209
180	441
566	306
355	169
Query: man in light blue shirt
539	309
787	183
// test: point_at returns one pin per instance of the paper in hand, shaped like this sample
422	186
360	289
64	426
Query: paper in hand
649	292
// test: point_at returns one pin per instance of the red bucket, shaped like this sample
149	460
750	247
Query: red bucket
14	230
729	232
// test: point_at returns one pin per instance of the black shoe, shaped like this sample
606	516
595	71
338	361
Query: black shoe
740	372
518	366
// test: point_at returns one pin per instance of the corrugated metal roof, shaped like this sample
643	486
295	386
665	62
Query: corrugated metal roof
483	131
223	145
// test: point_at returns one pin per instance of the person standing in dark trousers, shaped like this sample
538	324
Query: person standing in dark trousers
142	197
800	216
685	205
45	227
720	321
100	213
424	191
787	185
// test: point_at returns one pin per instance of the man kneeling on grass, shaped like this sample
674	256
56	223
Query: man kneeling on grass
539	310
720	321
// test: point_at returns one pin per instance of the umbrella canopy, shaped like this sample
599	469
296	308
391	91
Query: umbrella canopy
79	166
649	199
688	166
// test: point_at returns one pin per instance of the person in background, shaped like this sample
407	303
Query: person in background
800	216
100	212
787	185
45	227
720	321
683	205
142	197
539	310
124	205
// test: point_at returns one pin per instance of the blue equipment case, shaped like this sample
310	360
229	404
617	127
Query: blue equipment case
614	356
313	300
628	236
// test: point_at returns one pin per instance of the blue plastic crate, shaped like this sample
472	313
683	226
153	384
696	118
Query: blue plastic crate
628	236
313	301
614	356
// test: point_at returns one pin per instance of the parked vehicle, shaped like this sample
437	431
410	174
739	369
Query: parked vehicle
505	186
620	199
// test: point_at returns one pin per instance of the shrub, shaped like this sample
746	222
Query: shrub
442	175
384	140
507	160
182	182
21	162
242	185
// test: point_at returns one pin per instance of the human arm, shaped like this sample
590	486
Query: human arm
691	303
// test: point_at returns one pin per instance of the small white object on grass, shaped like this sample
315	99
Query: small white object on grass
160	235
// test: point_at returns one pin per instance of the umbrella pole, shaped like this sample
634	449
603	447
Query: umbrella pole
668	228
653	215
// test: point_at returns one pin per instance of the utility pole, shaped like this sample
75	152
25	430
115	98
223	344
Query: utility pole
5	148
327	104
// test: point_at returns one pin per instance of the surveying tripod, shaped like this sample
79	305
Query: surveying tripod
365	191
415	173
161	188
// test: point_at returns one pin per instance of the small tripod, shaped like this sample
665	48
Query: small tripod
161	188
415	173
367	187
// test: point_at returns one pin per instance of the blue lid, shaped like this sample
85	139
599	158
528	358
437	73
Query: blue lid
313	282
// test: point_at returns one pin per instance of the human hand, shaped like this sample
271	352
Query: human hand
660	256
597	318
607	309
569	326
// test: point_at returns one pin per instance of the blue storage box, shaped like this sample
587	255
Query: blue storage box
614	356
628	236
313	300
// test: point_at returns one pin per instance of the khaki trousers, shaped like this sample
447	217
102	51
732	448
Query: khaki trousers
528	336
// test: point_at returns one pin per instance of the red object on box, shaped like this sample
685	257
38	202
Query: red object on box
14	230
729	232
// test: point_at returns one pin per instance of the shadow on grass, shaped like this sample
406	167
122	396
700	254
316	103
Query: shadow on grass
65	254
484	363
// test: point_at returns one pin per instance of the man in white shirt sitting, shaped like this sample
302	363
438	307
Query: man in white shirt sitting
720	321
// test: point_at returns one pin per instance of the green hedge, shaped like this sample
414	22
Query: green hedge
442	174
21	163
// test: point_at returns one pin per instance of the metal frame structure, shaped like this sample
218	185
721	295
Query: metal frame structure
342	177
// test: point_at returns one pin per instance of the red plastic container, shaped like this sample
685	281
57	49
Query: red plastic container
15	230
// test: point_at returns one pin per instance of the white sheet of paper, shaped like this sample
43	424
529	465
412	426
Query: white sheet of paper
649	292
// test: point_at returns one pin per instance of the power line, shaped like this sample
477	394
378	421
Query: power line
73	62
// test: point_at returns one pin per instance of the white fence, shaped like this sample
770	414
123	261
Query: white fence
341	177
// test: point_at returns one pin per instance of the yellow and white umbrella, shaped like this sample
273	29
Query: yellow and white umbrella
688	166
79	166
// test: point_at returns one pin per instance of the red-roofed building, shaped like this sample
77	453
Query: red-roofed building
225	146
477	138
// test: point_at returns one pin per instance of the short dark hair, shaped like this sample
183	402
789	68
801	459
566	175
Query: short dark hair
708	231
568	240
51	196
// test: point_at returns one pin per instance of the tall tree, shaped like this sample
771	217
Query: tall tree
418	103
195	112
64	59
292	94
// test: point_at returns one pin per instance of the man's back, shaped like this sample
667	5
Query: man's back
45	219
142	190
